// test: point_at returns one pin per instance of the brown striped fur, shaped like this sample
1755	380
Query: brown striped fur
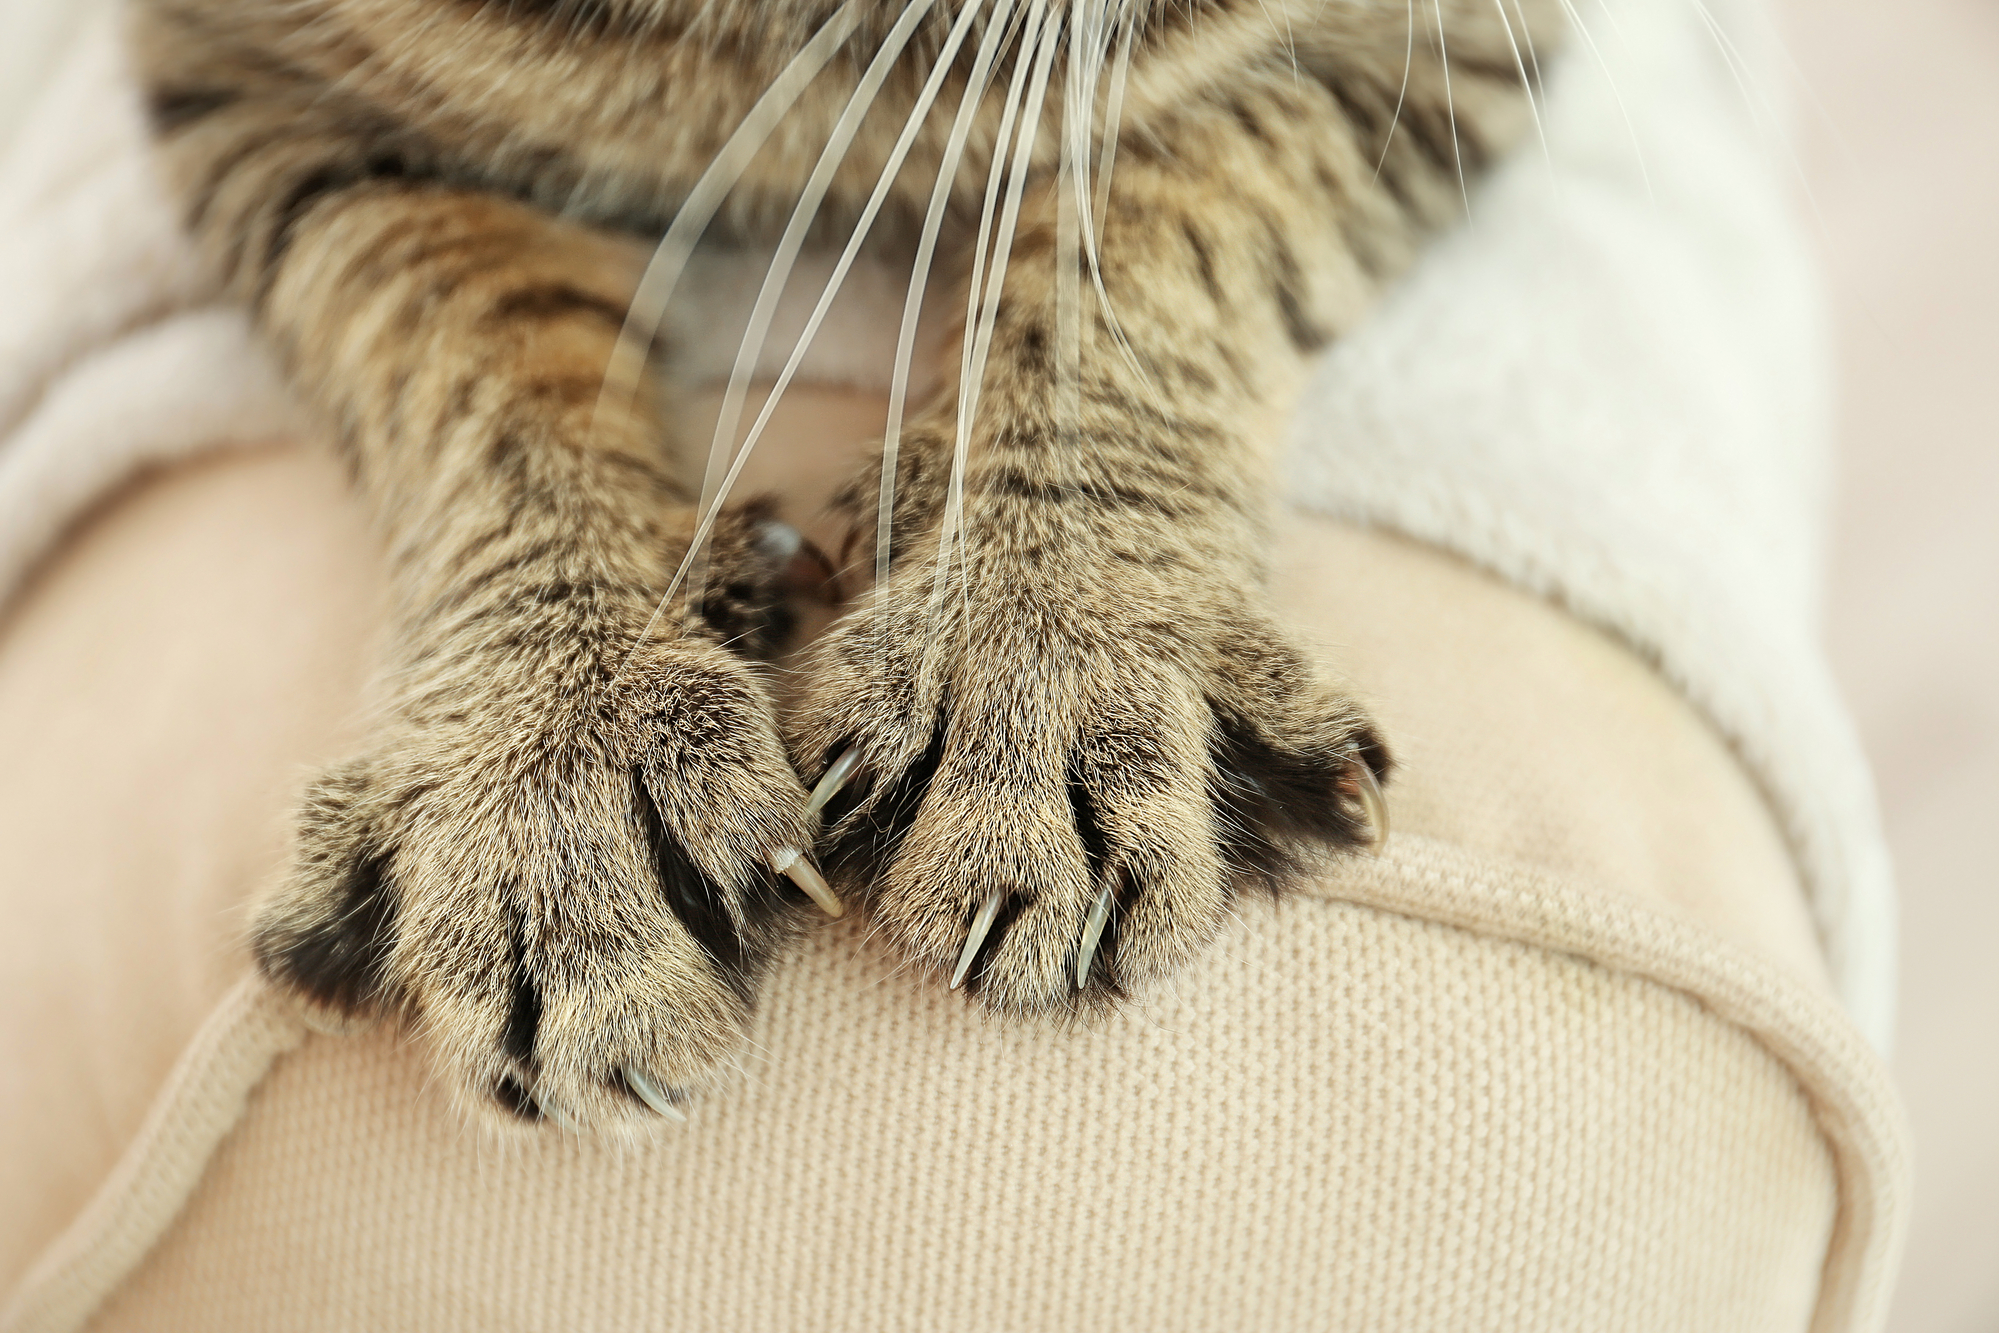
554	857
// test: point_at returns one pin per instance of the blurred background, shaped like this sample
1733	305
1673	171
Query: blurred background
1901	154
1898	154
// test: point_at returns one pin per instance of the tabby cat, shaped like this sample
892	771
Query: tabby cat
1060	732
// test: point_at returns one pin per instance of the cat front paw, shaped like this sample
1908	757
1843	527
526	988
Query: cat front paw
1052	794
572	894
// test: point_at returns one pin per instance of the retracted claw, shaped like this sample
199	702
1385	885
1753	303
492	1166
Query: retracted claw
836	777
1093	931
981	925
1376	805
649	1093
797	867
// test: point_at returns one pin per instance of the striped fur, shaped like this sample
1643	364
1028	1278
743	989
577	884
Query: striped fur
555	856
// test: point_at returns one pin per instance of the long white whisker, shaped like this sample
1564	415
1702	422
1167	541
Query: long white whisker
1731	56
1526	82
1533	52
912	127
1114	111
1630	127
1818	106
1093	220
1766	116
1091	51
912	309
782	261
648	307
1023	155
995	177
979	346
967	391
798	228
1071	202
1402	97
1085	74
1289	36
1450	105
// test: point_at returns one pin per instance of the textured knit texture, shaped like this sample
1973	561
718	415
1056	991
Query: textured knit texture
1440	1097
1424	1127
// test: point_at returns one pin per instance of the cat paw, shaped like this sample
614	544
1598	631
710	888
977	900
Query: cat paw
572	894
1053	799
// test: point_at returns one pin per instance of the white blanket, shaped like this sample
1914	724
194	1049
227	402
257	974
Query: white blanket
1609	387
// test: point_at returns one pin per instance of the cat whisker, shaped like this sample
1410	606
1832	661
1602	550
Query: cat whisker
715	495
1539	85
1527	83
933	222
1630	127
1769	119
1106	163
1042	39
983	254
647	309
884	184
1402	97
1450	106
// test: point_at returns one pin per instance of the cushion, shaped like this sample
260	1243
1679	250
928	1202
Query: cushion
1565	1056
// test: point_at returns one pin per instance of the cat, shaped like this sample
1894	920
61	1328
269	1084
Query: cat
1061	731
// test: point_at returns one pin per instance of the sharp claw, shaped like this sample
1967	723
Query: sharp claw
559	1120
981	924
650	1094
1093	931
795	866
836	777
1376	805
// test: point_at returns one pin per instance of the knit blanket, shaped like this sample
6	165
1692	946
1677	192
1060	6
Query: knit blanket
1609	386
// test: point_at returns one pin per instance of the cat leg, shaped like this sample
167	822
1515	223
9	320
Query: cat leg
559	854
1072	730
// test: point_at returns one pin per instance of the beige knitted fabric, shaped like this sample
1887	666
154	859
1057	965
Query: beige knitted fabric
1565	1058
1348	1119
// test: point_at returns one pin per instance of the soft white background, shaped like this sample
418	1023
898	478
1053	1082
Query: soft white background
1899	158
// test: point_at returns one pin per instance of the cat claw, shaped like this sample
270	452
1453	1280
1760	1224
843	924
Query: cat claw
562	1122
795	866
838	776
1376	806
649	1093
1093	932
982	924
